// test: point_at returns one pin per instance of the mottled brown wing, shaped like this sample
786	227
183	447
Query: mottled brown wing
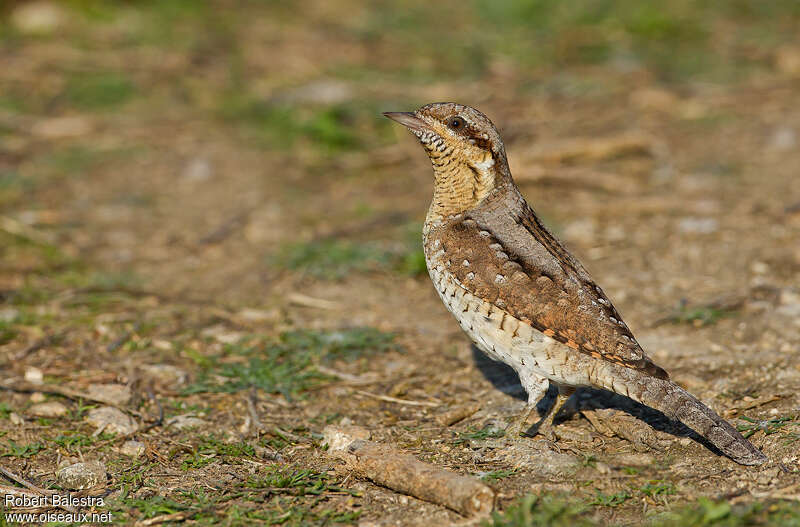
551	291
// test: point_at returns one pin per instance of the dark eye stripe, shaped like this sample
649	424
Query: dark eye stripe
480	142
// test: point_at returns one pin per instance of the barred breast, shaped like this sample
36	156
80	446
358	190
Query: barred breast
502	336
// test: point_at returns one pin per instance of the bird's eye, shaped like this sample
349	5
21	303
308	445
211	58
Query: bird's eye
456	123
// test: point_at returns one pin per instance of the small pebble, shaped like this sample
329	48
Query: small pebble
80	476
339	437
37	18
61	127
182	422
164	374
8	314
113	393
34	375
48	409
132	448
111	420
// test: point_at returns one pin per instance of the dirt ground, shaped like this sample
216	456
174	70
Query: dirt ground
206	226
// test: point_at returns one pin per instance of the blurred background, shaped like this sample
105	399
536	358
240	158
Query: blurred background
179	176
176	139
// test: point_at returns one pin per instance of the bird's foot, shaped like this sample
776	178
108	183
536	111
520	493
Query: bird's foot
524	424
543	428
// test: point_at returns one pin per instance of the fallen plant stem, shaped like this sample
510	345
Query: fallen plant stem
396	400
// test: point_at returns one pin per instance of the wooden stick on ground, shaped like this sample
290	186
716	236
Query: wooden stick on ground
395	399
387	466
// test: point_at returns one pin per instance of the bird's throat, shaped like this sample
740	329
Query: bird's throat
459	186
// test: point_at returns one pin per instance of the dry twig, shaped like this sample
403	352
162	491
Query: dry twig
404	473
396	400
300	299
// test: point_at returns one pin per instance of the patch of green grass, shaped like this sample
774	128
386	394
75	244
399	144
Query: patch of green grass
147	507
80	410
336	259
173	407
333	128
89	289
102	281
474	434
287	512
333	259
547	510
195	503
411	260
42	259
5	411
499	474
23	451
275	440
721	514
301	481
73	160
293	496
657	488
271	124
13	186
211	448
768	426
212	445
12	102
610	500
330	128
99	91
280	496
96	290
674	40
275	370
413	263
132	476
699	316
790	438
346	344
286	365
73	441
7	332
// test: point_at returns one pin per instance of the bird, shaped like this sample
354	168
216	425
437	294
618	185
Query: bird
521	296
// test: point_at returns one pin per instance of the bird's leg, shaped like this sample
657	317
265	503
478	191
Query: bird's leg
525	422
536	388
545	426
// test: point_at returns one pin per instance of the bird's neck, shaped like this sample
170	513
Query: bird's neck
460	185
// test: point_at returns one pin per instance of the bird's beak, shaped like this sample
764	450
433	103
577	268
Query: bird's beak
409	120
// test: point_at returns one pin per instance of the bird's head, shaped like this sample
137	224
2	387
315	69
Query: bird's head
466	152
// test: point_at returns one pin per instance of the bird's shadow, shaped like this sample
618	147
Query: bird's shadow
505	379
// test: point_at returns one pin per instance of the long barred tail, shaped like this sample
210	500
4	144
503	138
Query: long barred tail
677	403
